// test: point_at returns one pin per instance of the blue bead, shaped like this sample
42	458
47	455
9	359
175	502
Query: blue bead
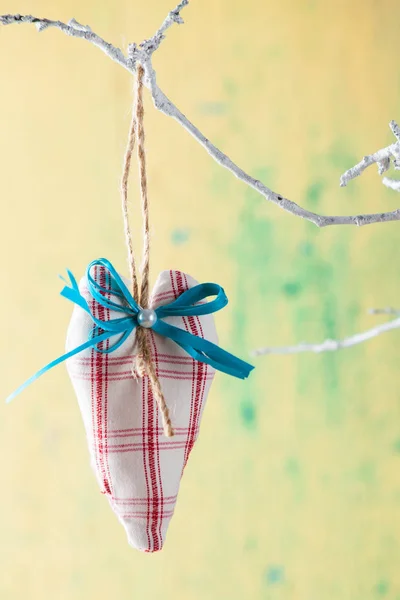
146	318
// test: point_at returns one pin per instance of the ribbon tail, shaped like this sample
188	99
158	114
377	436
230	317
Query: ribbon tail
204	351
226	363
71	292
89	344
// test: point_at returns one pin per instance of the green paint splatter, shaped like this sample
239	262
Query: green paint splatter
353	312
314	193
277	51
382	588
257	274
213	108
219	182
292	467
230	87
306	248
366	473
264	174
292	288
315	318
251	543
236	126
248	413
179	236
274	574
314	131
340	158
329	360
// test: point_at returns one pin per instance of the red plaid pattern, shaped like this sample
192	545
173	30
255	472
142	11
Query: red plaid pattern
137	467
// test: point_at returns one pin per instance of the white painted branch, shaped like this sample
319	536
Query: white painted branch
384	311
382	158
393	184
332	345
395	129
144	52
73	29
149	46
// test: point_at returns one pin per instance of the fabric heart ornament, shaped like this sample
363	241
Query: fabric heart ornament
122	396
139	469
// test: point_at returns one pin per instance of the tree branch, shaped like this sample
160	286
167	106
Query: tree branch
174	16
384	311
393	184
74	29
144	52
383	158
332	345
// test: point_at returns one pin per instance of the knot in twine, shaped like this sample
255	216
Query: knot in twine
144	364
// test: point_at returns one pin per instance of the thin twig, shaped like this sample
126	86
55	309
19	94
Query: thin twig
396	130
393	184
74	29
332	345
151	45
383	158
384	311
143	53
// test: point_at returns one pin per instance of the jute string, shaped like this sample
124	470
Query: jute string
144	363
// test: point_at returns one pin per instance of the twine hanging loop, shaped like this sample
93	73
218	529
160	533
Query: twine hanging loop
144	364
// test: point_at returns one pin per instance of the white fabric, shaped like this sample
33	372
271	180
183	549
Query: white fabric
137	467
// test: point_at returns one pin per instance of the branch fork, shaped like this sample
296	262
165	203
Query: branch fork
384	159
143	53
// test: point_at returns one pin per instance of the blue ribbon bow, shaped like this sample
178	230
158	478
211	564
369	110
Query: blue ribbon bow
184	306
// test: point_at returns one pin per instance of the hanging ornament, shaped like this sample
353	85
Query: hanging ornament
142	365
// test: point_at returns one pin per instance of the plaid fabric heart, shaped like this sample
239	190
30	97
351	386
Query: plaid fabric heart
137	467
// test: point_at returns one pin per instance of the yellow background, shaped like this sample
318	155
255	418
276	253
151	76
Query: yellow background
293	490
